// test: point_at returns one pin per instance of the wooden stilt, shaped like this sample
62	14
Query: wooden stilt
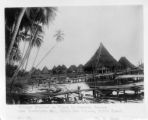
117	93
94	93
125	96
124	92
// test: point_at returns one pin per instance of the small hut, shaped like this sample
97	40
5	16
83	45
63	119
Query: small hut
125	63
45	70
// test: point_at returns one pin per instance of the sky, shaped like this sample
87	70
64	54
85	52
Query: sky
119	28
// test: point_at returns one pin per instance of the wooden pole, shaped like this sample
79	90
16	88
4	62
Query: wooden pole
117	93
94	93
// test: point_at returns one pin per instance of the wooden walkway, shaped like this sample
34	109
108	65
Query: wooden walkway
121	87
131	86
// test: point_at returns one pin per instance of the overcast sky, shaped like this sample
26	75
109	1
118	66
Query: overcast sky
119	28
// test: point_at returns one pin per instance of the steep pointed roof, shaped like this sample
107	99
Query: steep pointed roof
125	63
102	58
45	70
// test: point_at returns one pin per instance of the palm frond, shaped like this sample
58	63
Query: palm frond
59	35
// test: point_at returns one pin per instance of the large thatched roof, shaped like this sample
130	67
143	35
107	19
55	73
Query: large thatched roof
101	59
125	63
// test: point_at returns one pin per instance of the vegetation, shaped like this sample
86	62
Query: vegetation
24	24
26	21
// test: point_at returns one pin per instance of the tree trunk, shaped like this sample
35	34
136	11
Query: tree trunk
22	62
17	70
28	57
24	48
15	33
45	55
36	57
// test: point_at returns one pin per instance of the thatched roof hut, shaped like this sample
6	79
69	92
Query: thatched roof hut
45	70
125	63
101	59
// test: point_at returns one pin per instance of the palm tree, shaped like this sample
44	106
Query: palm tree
15	31
19	18
28	18
59	37
15	55
36	42
36	56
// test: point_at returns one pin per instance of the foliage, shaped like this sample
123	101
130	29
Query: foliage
25	20
33	17
72	69
59	69
10	69
59	36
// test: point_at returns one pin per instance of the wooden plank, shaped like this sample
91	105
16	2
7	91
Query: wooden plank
126	86
138	85
130	76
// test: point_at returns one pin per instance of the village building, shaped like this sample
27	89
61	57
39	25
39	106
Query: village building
125	63
102	62
80	69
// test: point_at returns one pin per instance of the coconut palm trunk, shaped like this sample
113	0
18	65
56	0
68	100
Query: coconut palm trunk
23	60
43	19
36	57
45	55
15	33
24	48
17	71
28	58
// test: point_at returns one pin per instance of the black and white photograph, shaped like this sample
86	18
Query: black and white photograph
74	54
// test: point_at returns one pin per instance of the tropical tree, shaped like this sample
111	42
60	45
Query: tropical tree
54	70
15	26
59	36
72	69
36	42
64	69
30	20
19	18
